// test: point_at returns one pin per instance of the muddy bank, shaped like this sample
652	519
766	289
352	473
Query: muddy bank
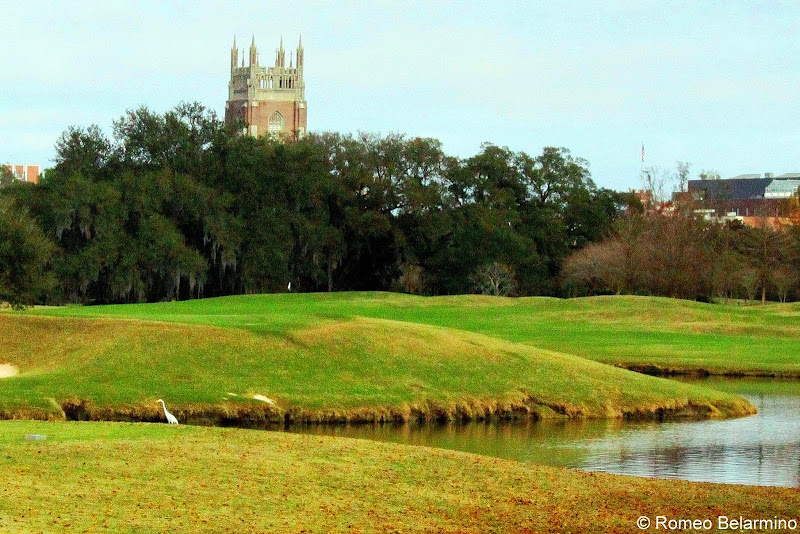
668	371
265	415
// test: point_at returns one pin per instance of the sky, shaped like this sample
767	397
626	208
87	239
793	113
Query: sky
715	84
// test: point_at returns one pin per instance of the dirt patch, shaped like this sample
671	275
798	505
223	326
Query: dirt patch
7	370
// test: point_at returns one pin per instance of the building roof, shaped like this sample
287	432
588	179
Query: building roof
782	188
745	177
731	188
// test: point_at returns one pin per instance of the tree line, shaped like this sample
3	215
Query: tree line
178	205
681	255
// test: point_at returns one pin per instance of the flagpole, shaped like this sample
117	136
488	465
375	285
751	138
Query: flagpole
642	180
641	167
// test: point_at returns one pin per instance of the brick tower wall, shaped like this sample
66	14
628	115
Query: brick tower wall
257	92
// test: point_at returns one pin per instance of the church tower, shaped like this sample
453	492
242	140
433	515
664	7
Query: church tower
268	100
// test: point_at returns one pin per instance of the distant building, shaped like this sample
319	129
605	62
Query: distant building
649	204
746	195
267	100
25	173
643	196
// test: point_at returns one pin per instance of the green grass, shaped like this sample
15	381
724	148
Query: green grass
122	477
621	330
357	355
351	356
749	385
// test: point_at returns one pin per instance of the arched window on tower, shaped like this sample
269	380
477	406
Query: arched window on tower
276	123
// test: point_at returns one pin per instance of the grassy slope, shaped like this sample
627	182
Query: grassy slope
631	331
624	330
120	477
313	365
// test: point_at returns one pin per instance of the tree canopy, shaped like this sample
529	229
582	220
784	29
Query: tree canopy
176	206
24	255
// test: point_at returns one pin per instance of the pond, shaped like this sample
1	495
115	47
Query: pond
763	449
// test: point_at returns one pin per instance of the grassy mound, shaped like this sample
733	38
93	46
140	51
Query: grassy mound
122	477
638	332
653	334
315	358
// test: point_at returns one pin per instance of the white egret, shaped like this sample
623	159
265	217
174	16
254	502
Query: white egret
289	287
170	418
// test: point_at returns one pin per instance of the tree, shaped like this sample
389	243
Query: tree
141	218
412	279
664	255
176	205
762	246
725	271
784	279
749	280
495	279
597	268
682	175
552	175
6	176
180	139
709	174
654	181
24	256
589	214
85	151
676	255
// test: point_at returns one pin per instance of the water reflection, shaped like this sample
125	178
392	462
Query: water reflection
763	449
542	442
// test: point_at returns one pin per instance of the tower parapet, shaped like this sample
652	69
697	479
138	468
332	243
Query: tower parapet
269	100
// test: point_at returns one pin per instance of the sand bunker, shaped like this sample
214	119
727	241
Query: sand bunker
7	370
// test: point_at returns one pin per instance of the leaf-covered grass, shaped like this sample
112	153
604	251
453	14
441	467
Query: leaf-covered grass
341	356
122	477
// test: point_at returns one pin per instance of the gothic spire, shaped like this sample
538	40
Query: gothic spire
281	60
300	52
253	53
